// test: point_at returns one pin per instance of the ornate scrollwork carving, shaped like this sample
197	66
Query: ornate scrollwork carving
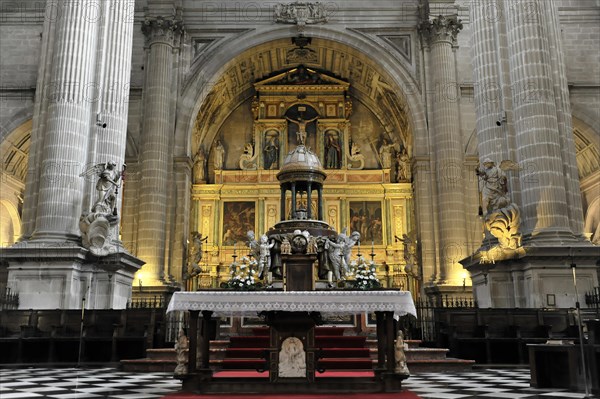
300	14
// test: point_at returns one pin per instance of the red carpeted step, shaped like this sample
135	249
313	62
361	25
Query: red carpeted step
329	331
346	341
249	342
345	352
262	331
243	353
345	364
244	364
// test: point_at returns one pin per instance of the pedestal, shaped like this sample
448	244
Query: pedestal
535	277
60	275
298	272
300	325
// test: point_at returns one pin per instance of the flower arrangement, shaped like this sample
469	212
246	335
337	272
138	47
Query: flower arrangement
365	277
244	276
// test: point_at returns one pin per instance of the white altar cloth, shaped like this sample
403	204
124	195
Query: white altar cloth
248	303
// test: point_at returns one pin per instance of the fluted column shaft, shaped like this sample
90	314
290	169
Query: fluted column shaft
155	155
112	98
487	88
441	36
40	114
67	132
538	142
564	118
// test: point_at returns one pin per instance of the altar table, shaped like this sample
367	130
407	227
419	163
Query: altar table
248	303
386	304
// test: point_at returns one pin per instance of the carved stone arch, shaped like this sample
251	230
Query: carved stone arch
592	221
10	229
15	151
199	85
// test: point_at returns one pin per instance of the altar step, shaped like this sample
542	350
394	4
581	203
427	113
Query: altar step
337	352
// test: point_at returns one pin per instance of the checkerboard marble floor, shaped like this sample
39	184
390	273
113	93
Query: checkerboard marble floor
44	383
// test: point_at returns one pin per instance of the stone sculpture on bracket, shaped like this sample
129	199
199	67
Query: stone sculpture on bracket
356	159
248	158
98	227
501	216
403	173
199	168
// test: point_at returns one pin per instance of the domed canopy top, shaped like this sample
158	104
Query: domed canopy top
301	164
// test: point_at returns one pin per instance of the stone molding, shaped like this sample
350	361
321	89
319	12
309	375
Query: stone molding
440	29
161	30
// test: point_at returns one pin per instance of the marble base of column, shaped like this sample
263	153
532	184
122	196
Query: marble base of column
50	277
505	283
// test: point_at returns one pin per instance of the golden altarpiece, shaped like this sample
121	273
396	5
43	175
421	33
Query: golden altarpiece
366	190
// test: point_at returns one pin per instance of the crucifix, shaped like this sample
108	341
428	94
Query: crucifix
301	134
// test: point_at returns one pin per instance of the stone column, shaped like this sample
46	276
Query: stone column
544	205
425	216
282	203
489	107
40	113
113	76
564	118
68	124
440	36
155	157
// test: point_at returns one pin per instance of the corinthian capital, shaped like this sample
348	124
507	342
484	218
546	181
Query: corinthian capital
160	29
441	29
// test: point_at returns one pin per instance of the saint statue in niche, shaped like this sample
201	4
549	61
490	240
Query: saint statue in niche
333	151
271	150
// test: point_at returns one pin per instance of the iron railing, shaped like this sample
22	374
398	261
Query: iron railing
9	300
592	300
424	326
155	302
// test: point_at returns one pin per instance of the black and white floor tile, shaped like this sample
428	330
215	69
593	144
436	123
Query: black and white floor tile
44	383
489	384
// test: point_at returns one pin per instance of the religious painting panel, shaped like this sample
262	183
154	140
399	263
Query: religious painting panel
238	218
332	149
366	217
271	149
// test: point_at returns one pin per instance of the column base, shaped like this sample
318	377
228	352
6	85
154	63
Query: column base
534	277
62	275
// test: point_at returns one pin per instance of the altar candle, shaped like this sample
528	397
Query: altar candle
372	246
234	247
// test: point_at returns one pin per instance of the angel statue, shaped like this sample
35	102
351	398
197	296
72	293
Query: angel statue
502	217
195	252
493	184
99	228
106	187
